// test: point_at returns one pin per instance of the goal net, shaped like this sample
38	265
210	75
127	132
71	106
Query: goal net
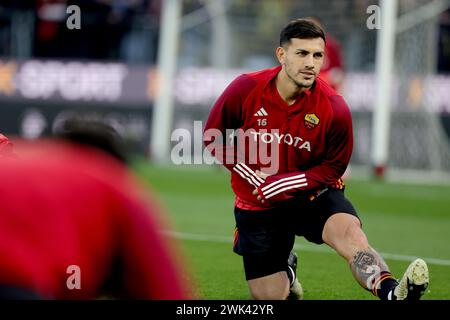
418	139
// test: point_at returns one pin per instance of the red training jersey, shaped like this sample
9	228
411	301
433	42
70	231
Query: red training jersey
310	141
63	206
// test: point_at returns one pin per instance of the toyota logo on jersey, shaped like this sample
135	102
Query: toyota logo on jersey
274	135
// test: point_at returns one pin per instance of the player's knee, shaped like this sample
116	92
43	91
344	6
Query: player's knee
355	236
341	229
270	292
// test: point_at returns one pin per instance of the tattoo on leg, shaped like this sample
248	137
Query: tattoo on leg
367	266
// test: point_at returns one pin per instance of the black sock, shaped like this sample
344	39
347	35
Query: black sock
386	284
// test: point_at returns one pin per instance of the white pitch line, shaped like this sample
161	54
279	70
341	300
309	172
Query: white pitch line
310	248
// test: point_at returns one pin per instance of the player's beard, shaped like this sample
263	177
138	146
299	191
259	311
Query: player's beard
300	84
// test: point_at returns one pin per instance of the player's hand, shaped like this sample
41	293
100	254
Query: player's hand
255	192
262	175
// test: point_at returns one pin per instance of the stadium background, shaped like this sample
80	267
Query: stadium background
108	70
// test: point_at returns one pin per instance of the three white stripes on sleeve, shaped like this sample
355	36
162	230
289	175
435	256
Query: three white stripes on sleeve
248	174
294	182
274	188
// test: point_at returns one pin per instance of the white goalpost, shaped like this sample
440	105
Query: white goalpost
173	23
167	61
384	70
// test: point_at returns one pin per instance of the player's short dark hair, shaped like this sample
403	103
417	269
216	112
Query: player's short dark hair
95	134
301	29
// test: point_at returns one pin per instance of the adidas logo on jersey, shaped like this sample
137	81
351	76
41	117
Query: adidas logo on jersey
261	113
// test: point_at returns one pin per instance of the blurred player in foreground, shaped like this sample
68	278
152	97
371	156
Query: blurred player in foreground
5	147
74	224
308	128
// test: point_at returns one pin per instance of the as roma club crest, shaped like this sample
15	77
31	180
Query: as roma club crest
311	121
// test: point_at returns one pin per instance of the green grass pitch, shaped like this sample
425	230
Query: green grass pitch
402	221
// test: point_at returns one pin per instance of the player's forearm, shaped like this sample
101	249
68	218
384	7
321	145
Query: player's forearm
235	162
325	175
226	152
286	186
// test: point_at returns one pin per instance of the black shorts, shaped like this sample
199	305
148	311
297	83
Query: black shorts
265	238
